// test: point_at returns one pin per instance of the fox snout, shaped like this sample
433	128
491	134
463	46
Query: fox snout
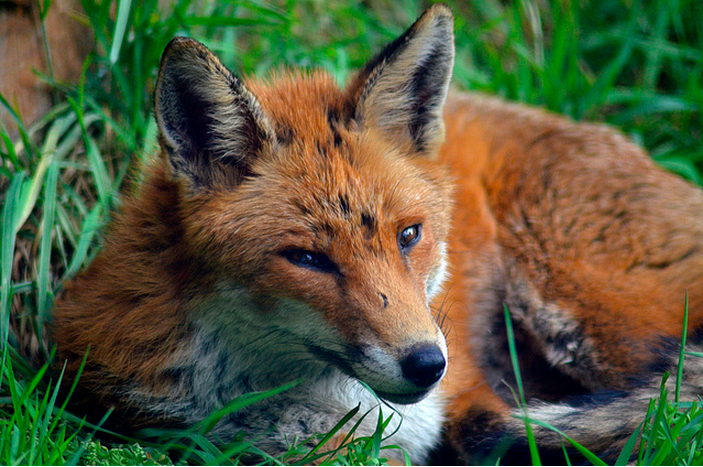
406	378
402	370
401	350
424	365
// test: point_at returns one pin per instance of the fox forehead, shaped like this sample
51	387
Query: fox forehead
303	105
331	176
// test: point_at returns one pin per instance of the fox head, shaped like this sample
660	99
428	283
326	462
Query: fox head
323	204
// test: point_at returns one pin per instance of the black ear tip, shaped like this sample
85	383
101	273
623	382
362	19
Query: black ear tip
438	21
181	45
440	9
441	13
179	42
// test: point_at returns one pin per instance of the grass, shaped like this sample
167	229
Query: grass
635	64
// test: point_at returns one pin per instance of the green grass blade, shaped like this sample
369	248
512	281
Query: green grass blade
592	458
658	423
123	9
11	154
27	200
629	447
97	165
534	454
238	404
24	134
44	286
91	226
310	457
9	230
682	352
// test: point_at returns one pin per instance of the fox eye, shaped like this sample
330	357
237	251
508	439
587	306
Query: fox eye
409	236
309	259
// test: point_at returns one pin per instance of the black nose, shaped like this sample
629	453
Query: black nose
424	365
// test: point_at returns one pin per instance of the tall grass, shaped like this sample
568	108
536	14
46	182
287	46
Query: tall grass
636	64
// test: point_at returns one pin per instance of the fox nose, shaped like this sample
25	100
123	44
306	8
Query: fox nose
424	365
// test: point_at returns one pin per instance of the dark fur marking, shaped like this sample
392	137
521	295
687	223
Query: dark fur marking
180	374
19	8
612	217
328	229
304	426
663	264
666	263
334	120
221	365
544	136
598	398
333	117
484	438
665	356
561	341
210	343
302	208
696	337
336	138
368	221
344	205
323	229
285	135
532	230
320	148
329	357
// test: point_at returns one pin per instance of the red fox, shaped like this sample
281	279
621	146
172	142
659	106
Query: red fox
292	230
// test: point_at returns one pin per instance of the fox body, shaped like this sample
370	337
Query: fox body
592	249
293	231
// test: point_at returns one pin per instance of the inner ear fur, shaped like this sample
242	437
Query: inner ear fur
210	124
403	89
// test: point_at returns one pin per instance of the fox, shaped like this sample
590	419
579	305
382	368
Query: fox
362	245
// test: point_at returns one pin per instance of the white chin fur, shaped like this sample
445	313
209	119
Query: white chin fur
420	423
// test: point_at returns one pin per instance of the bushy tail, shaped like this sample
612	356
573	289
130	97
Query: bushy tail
602	422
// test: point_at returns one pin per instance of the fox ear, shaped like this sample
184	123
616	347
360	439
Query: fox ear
210	124
403	89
